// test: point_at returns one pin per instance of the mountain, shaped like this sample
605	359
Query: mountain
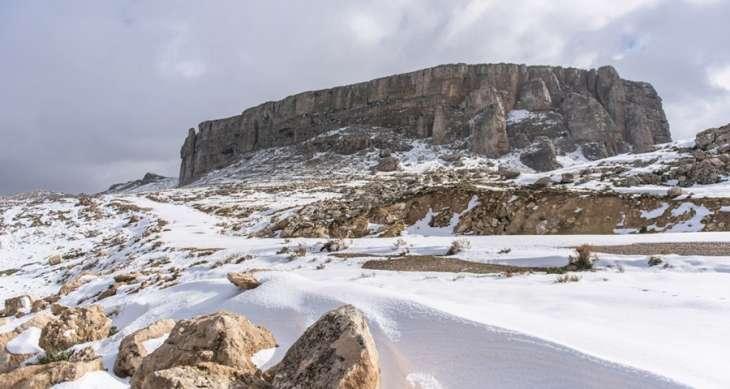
492	109
150	182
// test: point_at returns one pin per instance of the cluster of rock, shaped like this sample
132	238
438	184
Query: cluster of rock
498	107
150	181
211	351
705	163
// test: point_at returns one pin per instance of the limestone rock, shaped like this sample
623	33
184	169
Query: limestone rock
132	349
337	351
75	283
224	338
243	280
388	164
597	106
74	326
540	156
714	138
47	375
534	96
204	375
489	129
18	305
508	173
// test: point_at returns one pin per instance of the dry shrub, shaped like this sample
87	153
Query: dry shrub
584	258
565	278
458	246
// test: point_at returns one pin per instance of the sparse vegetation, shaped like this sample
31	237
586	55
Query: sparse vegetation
565	278
655	260
583	259
56	356
334	245
458	246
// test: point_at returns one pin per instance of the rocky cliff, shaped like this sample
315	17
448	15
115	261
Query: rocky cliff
496	107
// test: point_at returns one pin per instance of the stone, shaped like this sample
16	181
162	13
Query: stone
127	278
46	375
74	326
713	138
132	349
75	283
440	102
542	182
10	361
55	259
388	164
204	375
540	156
223	338
508	173
19	305
674	191
337	351
243	280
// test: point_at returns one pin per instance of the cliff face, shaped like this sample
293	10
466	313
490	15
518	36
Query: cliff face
500	107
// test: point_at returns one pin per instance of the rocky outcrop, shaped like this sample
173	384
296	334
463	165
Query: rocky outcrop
74	326
46	375
222	338
132	349
448	103
150	181
337	351
19	305
12	360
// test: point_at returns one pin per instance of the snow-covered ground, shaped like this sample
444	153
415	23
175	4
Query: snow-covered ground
624	325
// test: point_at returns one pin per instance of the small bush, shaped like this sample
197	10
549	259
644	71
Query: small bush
583	260
565	278
56	356
505	251
334	245
655	260
458	246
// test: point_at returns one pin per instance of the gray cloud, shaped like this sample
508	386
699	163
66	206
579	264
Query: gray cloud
99	92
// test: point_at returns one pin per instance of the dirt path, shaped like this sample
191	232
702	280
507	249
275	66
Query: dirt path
680	248
442	264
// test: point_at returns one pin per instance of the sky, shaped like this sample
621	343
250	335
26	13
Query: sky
98	92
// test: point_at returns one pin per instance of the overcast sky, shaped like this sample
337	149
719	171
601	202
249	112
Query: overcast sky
97	92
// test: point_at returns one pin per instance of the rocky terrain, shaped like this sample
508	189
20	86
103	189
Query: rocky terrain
497	108
456	227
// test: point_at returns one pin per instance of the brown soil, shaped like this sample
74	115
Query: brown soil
679	248
449	265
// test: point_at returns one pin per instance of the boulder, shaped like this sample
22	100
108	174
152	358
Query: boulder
713	138
19	305
46	375
9	360
75	283
388	164
542	182
204	375
540	156
508	173
337	351
74	326
132	349
243	280
223	338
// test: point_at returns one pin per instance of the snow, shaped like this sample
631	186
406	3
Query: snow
152	344
262	357
94	380
623	325
26	342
